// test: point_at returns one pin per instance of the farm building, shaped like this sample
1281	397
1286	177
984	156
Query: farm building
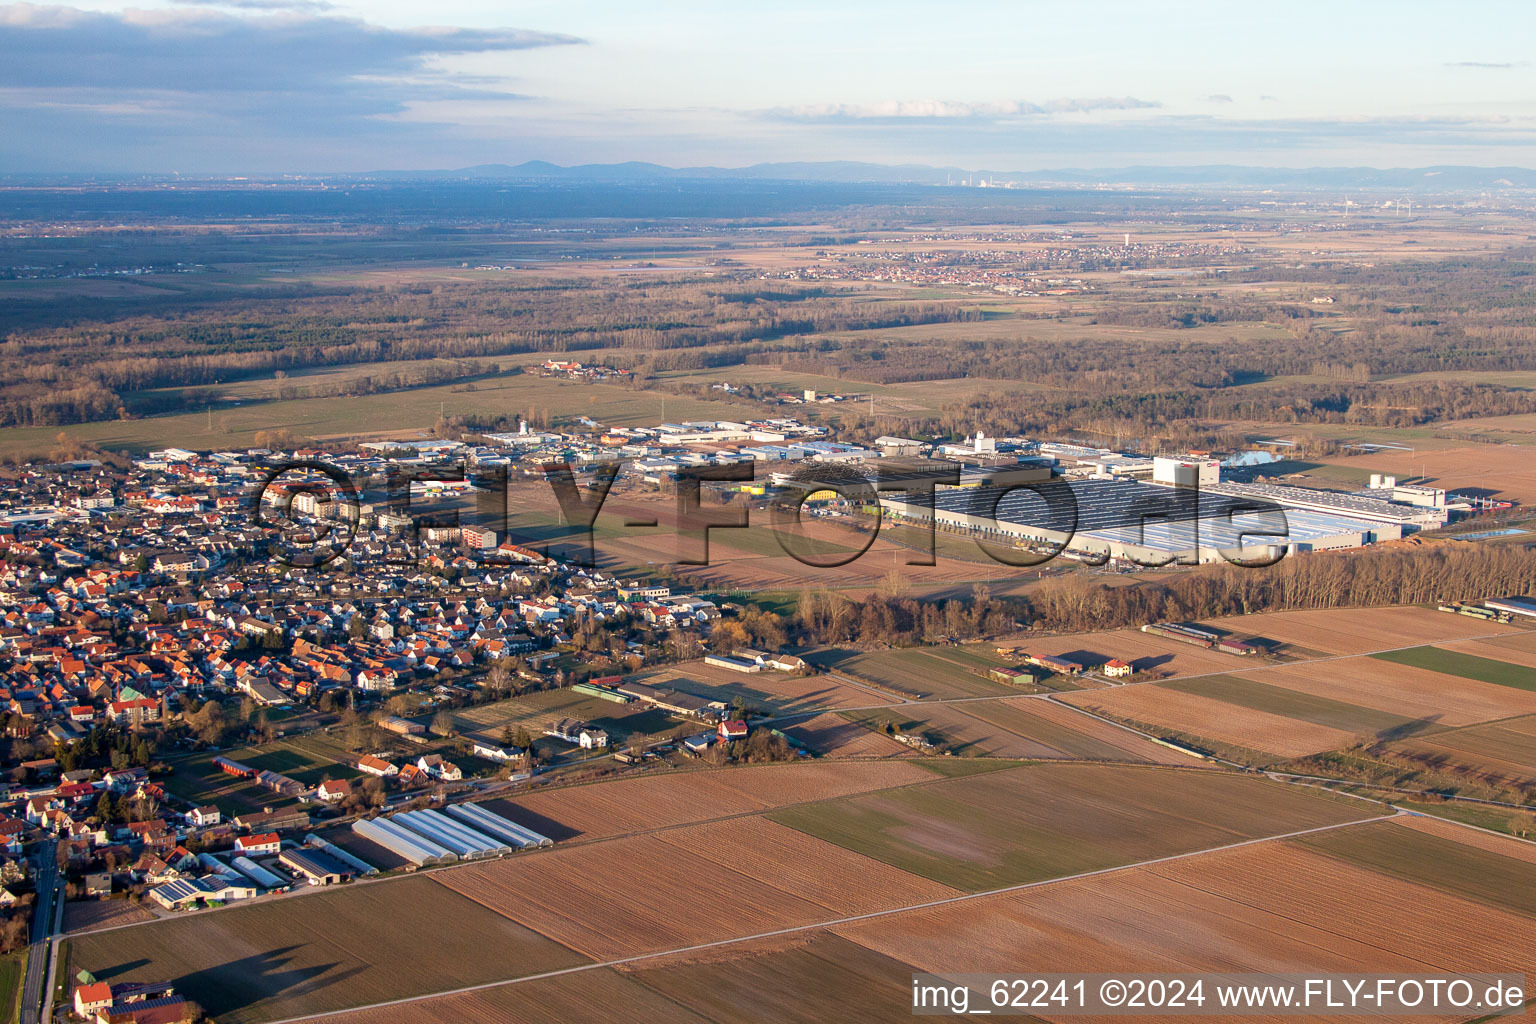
673	701
377	766
332	790
573	731
357	865
188	892
402	726
235	768
271	821
435	766
469	843
203	816
732	662
402	841
598	688
258	874
491	752
280	784
1020	676
1513	605
315	865
266	842
1061	666
493	824
1182	633
212	864
146	1001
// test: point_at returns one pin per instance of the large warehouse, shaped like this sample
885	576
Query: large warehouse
1146	523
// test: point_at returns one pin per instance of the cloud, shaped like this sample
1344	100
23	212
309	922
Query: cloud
263	5
952	110
191	52
1488	65
1218	97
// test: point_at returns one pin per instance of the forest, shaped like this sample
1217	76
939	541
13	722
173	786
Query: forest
1370	577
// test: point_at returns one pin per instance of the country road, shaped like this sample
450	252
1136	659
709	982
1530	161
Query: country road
40	955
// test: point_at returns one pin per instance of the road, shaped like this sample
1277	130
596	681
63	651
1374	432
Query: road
40	955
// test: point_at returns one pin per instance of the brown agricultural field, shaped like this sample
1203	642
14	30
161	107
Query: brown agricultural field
1013	727
85	915
1205	718
570	997
1518	649
1054	820
1482	468
832	735
805	979
322	951
801	979
1360	630
700	884
1061	732
627	805
753	559
964	733
1430	697
1502	753
1475	838
1145	651
1264	907
778	690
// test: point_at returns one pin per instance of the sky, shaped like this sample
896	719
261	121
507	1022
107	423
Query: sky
316	86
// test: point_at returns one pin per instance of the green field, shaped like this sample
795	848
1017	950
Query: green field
13	970
960	767
1468	666
1496	819
323	951
536	710
1051	820
1499	881
416	409
1067	742
920	671
1276	700
311	759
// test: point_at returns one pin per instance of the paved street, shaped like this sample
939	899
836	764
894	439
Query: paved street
41	952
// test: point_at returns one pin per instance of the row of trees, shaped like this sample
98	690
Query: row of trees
1370	577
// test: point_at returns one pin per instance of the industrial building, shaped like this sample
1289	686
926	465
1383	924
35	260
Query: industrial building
1183	518
494	824
1365	507
315	865
465	832
357	865
1524	606
258	874
403	842
456	836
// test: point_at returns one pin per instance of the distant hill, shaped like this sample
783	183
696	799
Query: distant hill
1439	179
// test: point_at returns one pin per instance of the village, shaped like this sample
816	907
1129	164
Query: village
195	717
